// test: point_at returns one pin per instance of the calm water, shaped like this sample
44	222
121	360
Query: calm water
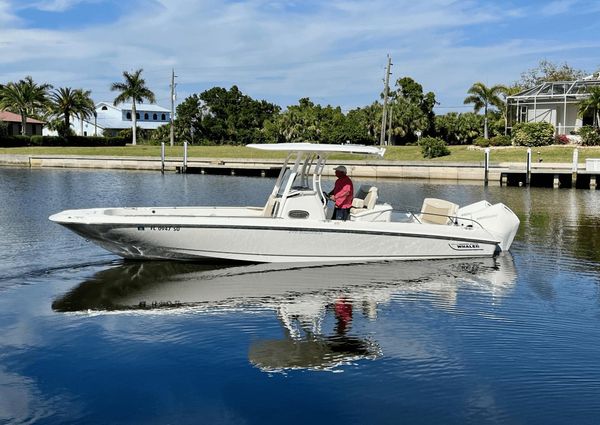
86	337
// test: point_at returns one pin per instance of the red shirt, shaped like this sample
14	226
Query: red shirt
343	192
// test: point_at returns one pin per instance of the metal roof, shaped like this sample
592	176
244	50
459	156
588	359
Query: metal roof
139	107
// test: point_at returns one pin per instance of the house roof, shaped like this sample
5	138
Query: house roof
139	107
12	117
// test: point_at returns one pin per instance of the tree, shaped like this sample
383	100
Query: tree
188	125
547	71
134	89
25	98
65	102
458	129
63	105
411	110
482	96
85	106
591	105
233	117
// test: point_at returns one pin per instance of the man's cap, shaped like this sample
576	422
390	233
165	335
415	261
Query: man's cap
340	168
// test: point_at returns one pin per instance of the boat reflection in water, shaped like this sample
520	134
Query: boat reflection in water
314	304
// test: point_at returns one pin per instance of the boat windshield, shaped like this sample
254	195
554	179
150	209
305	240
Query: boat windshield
301	172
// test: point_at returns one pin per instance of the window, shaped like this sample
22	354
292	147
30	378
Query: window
137	115
155	117
146	116
163	117
105	108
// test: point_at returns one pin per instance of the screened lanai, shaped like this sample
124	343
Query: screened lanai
553	102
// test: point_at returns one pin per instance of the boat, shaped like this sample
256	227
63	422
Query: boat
295	225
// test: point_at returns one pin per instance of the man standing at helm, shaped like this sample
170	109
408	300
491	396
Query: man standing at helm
342	194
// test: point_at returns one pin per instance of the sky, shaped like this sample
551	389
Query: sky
333	52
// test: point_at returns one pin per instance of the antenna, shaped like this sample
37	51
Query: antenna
173	96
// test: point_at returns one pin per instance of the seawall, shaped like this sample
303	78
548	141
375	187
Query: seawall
376	169
547	174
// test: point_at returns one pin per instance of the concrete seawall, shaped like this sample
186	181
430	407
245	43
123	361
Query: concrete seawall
560	175
376	169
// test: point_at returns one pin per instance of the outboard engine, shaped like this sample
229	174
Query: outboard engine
497	219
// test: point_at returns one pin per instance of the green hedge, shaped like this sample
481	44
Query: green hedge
14	141
87	141
533	134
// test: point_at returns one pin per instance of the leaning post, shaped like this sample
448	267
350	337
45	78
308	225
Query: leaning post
528	174
162	157
486	166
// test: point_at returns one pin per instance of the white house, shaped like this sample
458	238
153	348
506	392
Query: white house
553	102
110	119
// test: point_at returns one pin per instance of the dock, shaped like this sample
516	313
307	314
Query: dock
540	174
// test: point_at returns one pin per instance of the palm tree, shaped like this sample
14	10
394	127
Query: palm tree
64	104
67	102
591	104
24	97
482	96
85	106
134	88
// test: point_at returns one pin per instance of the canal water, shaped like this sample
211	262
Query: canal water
86	337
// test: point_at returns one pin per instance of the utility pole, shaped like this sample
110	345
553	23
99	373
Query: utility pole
172	133
385	98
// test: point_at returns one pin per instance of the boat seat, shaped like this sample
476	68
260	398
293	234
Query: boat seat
365	198
437	211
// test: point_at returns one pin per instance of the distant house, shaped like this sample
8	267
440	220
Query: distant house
553	102
110	120
34	127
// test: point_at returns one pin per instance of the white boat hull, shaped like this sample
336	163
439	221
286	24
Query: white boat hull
203	233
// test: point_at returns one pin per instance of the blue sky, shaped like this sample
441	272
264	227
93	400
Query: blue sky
331	51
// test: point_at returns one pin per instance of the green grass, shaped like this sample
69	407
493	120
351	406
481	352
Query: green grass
394	153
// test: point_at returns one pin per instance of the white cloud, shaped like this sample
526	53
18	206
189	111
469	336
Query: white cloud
558	7
57	5
333	52
7	17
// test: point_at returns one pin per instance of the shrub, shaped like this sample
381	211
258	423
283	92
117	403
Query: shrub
482	142
14	141
433	148
36	140
141	134
54	141
500	140
562	139
590	136
533	134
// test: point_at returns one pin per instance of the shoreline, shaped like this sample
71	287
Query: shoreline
470	171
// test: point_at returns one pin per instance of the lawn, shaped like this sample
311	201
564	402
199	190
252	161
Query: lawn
562	154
